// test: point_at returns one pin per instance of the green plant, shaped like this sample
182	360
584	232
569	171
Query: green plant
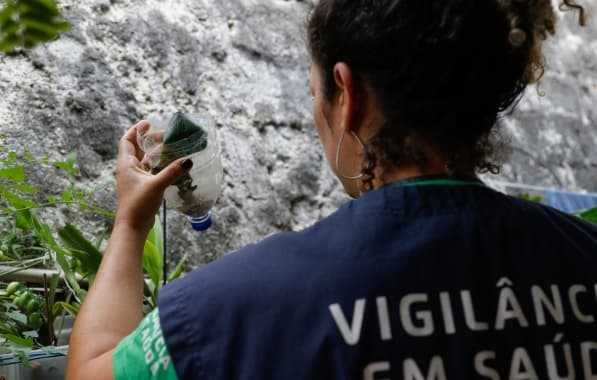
531	198
30	241
23	238
153	265
86	257
25	23
21	317
590	214
26	241
26	318
28	302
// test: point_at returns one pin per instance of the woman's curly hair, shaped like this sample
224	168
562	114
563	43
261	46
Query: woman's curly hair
443	70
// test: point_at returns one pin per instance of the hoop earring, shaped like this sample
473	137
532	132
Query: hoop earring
339	148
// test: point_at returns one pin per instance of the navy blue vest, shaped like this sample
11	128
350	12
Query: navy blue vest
426	282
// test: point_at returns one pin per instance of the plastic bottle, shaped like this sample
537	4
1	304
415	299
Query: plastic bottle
195	194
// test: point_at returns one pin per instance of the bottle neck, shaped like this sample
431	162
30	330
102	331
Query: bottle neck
201	223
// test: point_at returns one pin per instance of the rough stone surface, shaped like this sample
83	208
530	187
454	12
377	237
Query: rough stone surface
245	63
554	137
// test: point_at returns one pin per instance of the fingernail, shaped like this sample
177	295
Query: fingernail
187	164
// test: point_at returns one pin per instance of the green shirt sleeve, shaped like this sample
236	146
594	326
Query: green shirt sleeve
143	354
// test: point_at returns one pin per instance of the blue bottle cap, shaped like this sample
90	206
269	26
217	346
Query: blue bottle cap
201	223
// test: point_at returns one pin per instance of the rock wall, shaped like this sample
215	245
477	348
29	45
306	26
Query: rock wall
245	62
554	136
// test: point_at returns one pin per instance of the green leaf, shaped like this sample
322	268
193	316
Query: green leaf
26	189
152	262
42	230
79	194
25	23
68	164
103	211
590	215
156	236
71	158
69	274
153	254
69	308
10	42
179	268
32	21
34	34
11	28
7	328
532	198
66	196
22	354
17	201
47	5
31	37
24	219
16	173
6	13
30	334
54	280
18	340
28	157
38	14
9	305
17	316
100	238
81	248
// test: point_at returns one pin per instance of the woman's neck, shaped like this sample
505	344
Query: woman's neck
435	165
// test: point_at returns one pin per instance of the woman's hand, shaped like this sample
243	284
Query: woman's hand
113	307
139	192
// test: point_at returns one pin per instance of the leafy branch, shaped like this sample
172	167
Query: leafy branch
29	237
25	23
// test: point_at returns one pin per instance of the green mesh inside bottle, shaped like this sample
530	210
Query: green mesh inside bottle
182	138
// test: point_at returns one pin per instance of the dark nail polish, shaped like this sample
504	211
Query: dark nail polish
187	164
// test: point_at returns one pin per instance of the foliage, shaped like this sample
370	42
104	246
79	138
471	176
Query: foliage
531	198
28	237
589	215
153	264
23	239
21	314
25	23
26	241
25	318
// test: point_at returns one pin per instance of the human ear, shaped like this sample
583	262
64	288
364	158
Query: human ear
347	96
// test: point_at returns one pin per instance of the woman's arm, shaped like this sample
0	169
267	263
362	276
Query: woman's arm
114	305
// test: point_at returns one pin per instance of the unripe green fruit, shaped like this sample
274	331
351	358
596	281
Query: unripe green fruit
13	288
33	305
35	320
23	299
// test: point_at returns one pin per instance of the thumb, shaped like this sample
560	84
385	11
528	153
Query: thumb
173	172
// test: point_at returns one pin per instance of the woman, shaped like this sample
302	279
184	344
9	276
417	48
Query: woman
428	274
